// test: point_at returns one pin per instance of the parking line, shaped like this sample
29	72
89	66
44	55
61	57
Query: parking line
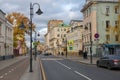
82	75
63	65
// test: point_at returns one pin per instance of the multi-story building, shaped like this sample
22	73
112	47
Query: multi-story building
6	37
100	20
47	45
56	36
54	23
74	37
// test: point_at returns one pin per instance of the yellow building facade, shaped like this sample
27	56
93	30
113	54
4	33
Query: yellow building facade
74	38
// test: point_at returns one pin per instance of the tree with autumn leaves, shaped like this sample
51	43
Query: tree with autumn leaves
114	31
16	19
116	28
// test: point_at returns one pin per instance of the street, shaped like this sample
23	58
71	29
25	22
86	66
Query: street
14	71
57	68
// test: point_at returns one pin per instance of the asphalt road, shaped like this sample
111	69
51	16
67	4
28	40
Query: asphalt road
63	69
14	71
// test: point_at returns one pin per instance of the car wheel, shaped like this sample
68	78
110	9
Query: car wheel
98	65
109	66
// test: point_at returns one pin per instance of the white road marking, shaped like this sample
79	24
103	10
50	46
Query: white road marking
82	75
63	65
6	73
10	71
1	77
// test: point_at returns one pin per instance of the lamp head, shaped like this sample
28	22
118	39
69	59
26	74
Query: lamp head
39	12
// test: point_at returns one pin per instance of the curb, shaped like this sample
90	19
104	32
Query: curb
85	63
42	70
77	61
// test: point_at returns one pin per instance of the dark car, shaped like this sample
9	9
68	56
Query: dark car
110	61
47	54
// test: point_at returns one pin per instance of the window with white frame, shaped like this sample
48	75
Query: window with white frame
116	10
107	10
116	23
116	37
107	24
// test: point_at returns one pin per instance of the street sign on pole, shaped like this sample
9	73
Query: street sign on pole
96	35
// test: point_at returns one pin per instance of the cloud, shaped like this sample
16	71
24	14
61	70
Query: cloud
52	9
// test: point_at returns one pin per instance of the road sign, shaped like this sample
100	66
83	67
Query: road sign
96	35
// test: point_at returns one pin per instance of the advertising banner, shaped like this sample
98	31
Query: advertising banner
70	45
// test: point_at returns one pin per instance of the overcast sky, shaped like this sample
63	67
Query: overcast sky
65	10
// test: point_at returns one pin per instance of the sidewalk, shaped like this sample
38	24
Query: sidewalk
35	75
80	59
8	62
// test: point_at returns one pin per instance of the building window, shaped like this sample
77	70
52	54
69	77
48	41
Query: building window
107	10
116	23
64	35
87	13
63	40
90	27
71	29
0	30
58	35
108	37
58	30
61	29
0	27
89	10
116	10
107	24
61	35
64	29
116	37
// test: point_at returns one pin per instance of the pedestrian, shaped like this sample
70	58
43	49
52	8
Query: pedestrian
85	55
62	53
79	52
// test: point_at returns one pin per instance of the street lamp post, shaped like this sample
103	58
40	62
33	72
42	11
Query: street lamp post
39	12
90	46
36	44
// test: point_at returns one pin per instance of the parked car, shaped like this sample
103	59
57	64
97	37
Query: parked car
47	54
110	61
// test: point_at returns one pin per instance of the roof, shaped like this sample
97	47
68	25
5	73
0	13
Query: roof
63	25
89	3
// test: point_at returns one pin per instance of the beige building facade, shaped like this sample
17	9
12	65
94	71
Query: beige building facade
74	38
47	44
55	38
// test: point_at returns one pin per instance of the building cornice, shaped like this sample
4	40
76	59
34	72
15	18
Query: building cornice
95	2
2	12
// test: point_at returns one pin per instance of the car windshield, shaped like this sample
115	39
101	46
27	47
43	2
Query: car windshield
114	57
